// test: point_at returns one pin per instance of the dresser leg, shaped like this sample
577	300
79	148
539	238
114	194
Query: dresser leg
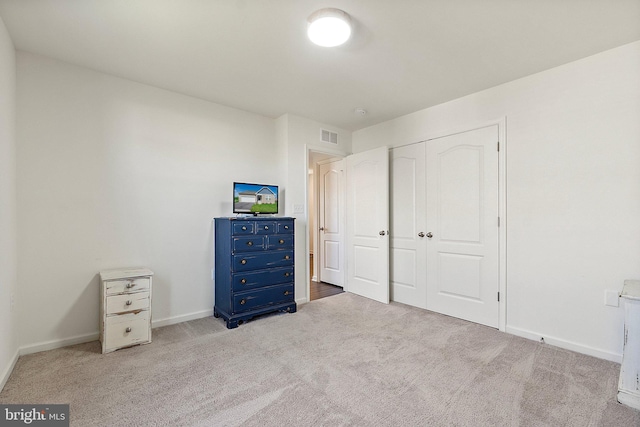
215	313
232	324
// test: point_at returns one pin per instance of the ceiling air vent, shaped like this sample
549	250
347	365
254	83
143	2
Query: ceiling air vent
328	136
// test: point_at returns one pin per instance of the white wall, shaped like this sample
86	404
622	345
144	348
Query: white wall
113	173
573	191
8	258
303	135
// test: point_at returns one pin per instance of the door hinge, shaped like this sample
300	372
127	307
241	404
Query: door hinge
498	221
498	296
498	145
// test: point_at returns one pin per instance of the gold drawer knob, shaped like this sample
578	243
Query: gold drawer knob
281	241
266	227
243	301
286	292
286	227
287	257
243	262
287	274
249	243
128	329
244	228
129	302
243	281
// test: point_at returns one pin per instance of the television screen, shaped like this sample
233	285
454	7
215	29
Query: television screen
255	198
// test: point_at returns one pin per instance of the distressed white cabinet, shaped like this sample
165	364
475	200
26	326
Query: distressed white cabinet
629	385
125	309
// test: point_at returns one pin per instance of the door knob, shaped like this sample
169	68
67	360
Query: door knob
382	233
429	235
321	228
421	234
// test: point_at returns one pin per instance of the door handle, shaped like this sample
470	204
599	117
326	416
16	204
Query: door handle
421	234
382	233
429	235
321	228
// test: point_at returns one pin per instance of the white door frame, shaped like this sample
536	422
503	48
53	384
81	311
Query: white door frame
336	155
502	202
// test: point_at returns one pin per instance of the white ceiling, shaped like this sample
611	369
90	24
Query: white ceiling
254	55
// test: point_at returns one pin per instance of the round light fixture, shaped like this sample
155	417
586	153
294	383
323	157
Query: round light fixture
329	27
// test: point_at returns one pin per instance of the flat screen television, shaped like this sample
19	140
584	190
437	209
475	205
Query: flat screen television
255	199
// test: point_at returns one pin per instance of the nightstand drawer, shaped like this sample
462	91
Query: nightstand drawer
256	279
127	302
136	284
255	261
127	329
262	297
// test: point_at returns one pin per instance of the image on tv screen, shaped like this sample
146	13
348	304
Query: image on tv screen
255	198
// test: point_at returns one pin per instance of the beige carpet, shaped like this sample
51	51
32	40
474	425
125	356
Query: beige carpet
342	360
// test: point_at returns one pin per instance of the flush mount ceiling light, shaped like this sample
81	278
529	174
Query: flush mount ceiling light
329	27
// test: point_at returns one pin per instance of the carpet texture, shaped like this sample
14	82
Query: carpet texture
339	361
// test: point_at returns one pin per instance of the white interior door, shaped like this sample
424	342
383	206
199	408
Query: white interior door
368	224
330	221
462	225
407	266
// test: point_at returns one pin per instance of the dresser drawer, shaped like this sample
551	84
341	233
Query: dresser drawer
127	302
127	329
248	244
284	227
262	297
255	279
282	241
265	227
128	285
255	261
244	227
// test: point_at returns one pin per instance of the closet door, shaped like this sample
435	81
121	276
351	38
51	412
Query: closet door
407	225
368	224
462	225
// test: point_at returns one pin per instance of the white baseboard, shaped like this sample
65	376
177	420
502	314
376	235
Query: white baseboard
7	372
567	345
53	344
302	301
182	318
314	278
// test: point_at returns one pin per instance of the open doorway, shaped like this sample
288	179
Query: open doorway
326	224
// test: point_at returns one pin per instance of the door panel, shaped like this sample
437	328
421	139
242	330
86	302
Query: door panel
368	224
462	215
407	218
331	262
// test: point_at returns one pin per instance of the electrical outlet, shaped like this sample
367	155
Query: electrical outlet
298	208
611	298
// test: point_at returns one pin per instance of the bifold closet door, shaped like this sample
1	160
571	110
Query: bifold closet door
462	225
407	252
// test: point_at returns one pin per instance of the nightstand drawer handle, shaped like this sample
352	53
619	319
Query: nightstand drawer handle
128	329
286	292
130	285
287	274
281	241
243	281
266	227
244	228
243	261
243	301
249	243
129	302
287	257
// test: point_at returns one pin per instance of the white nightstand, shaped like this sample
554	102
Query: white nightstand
125	309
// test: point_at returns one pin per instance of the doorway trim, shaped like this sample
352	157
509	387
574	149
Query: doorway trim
334	155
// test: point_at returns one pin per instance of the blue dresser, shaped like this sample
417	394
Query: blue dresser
254	267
